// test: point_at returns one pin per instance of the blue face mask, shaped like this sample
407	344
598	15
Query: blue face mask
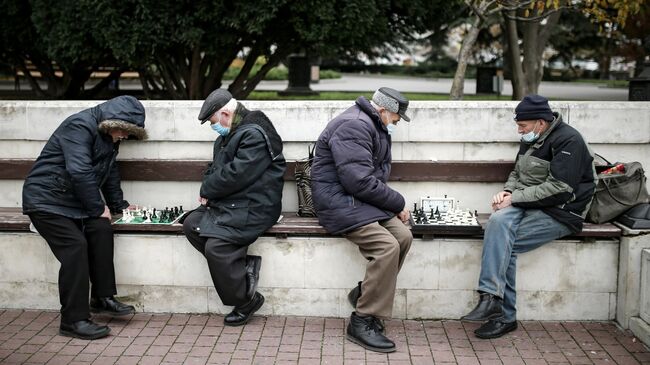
223	131
391	128
530	136
217	127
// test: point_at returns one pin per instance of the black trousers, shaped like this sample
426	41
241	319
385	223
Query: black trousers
84	247
226	261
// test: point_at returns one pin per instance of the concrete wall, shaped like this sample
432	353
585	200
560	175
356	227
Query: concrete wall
568	280
564	280
443	130
640	325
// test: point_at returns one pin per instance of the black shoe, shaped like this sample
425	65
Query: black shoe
495	328
354	295
111	306
253	265
84	329
243	314
353	298
488	307
365	332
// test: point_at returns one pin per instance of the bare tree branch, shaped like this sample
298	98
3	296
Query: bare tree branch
536	18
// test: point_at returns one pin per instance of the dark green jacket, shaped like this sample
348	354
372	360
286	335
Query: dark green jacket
555	174
243	184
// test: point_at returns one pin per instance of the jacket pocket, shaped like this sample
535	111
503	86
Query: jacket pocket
61	183
232	213
535	170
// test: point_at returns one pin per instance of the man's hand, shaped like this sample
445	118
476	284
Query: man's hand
404	215
506	201
107	213
498	197
203	201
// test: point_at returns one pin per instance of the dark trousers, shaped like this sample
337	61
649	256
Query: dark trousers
84	247
226	261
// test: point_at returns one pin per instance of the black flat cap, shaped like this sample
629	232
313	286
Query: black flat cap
215	101
392	100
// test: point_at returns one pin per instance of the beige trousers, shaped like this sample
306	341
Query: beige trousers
384	244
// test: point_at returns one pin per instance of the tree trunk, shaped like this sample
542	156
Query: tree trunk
77	77
195	84
458	86
273	61
239	81
605	60
114	75
517	79
535	40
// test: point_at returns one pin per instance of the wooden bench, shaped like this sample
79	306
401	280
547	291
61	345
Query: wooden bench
192	170
11	219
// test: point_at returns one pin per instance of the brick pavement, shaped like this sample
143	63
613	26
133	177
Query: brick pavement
31	337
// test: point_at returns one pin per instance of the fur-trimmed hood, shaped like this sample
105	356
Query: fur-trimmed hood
123	112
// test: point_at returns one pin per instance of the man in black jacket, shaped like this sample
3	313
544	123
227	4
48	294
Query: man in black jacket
241	197
63	197
547	196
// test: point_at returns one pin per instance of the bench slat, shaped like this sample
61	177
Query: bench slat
192	170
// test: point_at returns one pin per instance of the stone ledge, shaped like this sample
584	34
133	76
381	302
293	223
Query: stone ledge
312	275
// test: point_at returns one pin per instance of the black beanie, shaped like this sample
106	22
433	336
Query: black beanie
533	107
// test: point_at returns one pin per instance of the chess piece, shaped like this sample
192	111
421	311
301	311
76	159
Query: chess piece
180	211
146	217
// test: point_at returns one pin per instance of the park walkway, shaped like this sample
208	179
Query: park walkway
30	337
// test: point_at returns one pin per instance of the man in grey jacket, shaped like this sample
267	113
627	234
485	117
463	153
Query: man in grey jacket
351	196
547	196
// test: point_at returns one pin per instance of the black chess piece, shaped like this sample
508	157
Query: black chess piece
175	212
154	213
437	212
180	211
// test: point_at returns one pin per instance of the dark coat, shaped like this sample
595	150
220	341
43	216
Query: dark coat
555	174
78	161
244	182
350	170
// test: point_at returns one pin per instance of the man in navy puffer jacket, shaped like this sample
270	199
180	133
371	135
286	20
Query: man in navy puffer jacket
69	195
349	174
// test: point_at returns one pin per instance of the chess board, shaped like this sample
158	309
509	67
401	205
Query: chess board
150	215
453	222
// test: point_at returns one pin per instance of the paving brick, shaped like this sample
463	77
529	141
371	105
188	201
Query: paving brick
32	337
